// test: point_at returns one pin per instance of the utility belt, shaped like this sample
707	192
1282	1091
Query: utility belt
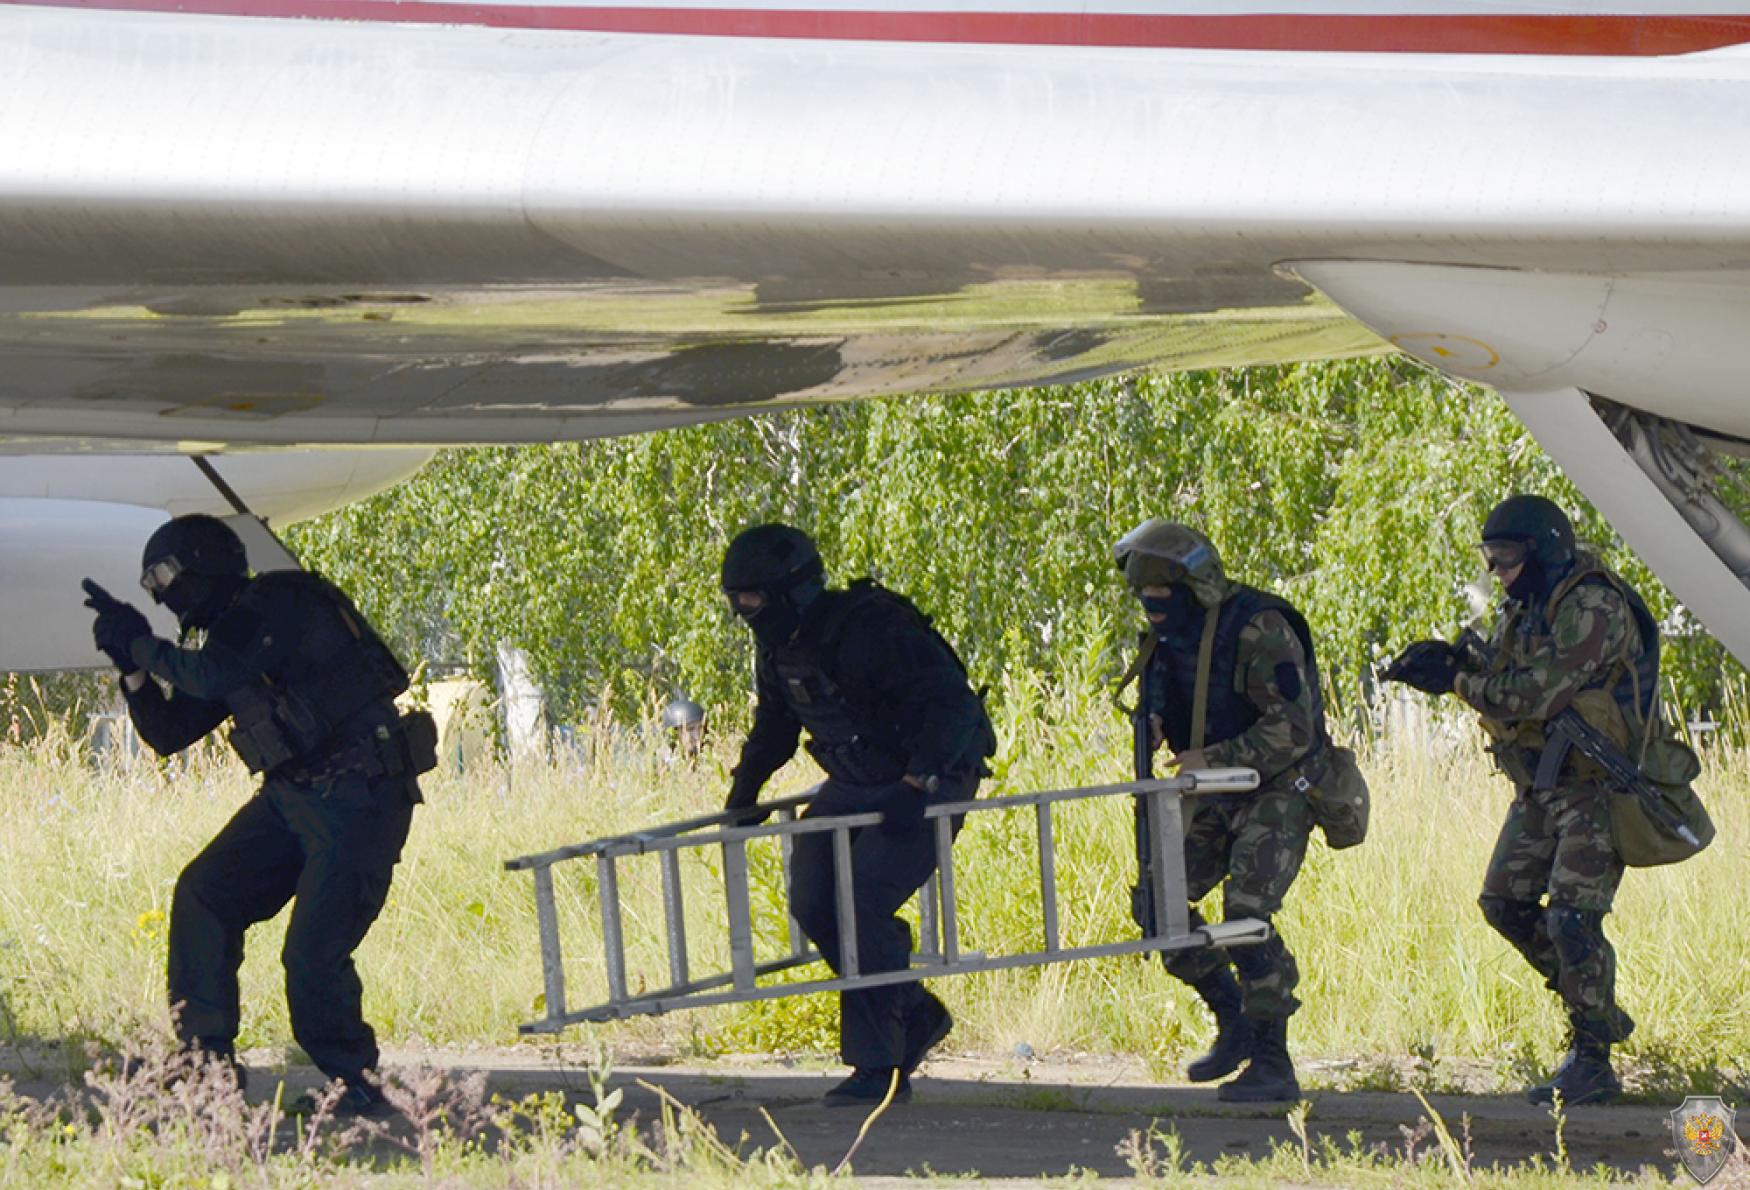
405	748
1529	760
857	761
278	730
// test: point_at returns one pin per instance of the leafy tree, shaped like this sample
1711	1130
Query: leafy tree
1357	488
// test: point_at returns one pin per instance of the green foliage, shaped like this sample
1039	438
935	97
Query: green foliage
1356	488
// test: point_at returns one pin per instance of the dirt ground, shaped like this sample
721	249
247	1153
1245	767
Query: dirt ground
1023	1119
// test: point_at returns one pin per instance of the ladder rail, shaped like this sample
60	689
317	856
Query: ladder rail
939	952
1245	932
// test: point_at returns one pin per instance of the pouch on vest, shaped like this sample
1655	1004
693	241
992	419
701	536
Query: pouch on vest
419	733
1340	799
1670	765
271	726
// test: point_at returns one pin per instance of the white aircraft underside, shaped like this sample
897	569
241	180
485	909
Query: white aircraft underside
221	230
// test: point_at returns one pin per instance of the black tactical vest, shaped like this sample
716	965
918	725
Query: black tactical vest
338	680
1228	711
852	741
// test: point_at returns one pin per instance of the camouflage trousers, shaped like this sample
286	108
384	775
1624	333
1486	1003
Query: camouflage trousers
1256	841
1550	882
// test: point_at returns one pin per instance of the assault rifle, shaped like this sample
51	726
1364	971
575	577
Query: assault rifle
1143	758
1568	732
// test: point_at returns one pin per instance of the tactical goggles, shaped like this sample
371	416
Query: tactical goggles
1501	556
1147	565
746	603
160	575
1180	557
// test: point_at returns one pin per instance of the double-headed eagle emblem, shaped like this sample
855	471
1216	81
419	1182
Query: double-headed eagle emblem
1702	1131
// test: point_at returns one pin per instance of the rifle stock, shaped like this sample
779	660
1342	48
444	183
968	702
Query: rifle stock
1569	732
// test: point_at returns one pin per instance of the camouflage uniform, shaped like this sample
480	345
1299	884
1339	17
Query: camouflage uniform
1256	840
1556	843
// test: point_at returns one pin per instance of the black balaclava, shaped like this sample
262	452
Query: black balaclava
197	600
1531	583
776	623
783	565
1182	615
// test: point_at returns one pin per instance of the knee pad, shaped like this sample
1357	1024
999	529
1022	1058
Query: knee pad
1515	921
1255	963
1578	934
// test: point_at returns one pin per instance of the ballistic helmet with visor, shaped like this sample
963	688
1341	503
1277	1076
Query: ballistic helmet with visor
771	559
192	544
1161	553
1522	527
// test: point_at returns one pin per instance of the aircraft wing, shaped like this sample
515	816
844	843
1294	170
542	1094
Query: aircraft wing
70	516
423	223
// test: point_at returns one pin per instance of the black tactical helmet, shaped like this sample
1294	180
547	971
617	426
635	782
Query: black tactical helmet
682	712
193	544
770	558
1539	523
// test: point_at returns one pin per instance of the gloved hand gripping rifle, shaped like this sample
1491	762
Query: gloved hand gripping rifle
1568	732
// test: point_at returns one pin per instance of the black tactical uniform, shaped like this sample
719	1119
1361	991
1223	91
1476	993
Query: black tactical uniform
893	721
311	690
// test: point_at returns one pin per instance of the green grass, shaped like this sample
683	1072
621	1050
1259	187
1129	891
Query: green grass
1400	973
1397	963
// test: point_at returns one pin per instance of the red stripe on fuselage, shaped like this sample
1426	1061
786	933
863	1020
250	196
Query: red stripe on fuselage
1604	35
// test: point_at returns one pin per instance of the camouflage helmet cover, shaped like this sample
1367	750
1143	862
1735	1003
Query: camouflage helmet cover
1162	553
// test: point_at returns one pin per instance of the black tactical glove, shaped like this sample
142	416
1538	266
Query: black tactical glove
1428	665
901	807
746	802
117	626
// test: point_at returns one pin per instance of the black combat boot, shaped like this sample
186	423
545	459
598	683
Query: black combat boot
1621	1026
925	1027
868	1086
1269	1077
1233	1032
1585	1075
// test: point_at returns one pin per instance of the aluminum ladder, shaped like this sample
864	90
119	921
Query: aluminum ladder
939	952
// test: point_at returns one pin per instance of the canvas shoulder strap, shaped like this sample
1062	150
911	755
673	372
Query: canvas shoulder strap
1205	658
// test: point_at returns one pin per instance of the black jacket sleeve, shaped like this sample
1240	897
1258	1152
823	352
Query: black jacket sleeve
770	743
170	723
247	641
907	676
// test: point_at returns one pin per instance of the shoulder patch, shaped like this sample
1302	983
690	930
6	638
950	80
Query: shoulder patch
1288	680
